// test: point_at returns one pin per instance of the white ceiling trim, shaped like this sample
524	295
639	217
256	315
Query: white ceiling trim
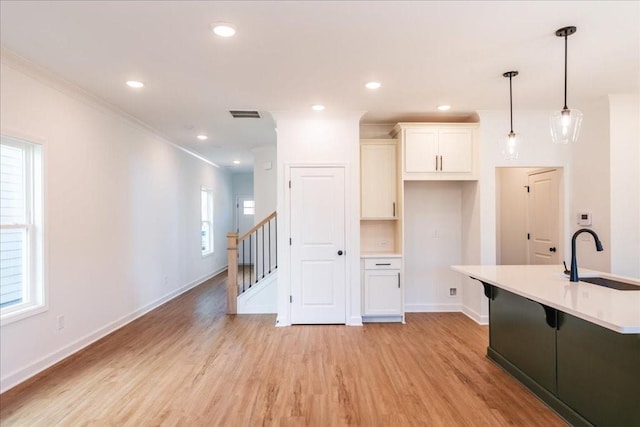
54	81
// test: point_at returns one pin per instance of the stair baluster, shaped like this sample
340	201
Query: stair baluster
257	251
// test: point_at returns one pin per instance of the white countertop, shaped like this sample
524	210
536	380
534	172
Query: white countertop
380	255
609	308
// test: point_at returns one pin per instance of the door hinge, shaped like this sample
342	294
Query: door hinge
528	236
291	298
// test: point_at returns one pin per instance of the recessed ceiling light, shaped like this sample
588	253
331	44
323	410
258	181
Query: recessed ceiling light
135	84
373	85
317	107
223	29
444	107
236	162
202	137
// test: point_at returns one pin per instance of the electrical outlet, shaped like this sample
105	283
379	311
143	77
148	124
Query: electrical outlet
60	320
453	292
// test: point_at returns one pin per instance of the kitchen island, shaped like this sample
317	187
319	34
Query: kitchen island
575	345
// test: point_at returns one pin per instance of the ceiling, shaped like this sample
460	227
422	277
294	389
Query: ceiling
289	55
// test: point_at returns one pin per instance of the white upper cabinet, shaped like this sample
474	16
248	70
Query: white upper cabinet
421	150
439	151
379	181
456	150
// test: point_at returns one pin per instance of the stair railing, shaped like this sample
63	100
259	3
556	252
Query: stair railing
251	257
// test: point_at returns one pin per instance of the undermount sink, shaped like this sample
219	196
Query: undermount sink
609	283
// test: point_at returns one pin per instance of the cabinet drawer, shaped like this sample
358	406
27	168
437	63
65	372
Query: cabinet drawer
382	264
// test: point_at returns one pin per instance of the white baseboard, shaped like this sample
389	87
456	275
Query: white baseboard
355	321
281	323
382	319
447	308
476	317
432	308
14	378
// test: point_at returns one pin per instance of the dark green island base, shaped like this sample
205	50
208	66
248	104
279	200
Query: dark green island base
588	374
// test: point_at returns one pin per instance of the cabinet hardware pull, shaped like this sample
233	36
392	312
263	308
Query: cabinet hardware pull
388	263
398	280
440	163
436	162
394	209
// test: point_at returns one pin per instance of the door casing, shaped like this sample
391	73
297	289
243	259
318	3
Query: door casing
353	292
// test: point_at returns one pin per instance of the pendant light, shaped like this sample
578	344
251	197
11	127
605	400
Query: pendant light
511	145
565	124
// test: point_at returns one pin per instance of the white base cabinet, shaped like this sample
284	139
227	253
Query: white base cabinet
382	290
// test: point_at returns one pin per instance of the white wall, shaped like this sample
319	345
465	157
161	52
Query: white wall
472	293
242	184
316	139
432	243
591	186
265	181
122	218
625	184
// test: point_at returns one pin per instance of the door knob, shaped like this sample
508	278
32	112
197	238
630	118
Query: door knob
553	249
340	252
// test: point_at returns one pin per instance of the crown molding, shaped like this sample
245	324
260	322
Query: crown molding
55	81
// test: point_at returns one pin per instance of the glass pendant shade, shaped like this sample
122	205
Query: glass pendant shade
511	146
565	126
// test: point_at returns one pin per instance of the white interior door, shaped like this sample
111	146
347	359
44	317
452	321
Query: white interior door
544	218
318	281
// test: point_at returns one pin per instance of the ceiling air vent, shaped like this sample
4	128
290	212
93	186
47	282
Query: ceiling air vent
245	114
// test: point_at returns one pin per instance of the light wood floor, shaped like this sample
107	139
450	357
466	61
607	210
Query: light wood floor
189	364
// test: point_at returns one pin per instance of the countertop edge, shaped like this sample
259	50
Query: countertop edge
380	255
623	329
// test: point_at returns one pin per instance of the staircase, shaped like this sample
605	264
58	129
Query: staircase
252	268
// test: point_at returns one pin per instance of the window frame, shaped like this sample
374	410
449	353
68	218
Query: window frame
34	292
209	221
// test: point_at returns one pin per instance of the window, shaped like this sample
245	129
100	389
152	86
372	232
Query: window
21	241
248	207
206	229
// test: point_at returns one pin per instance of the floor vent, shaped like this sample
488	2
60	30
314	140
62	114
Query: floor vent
245	114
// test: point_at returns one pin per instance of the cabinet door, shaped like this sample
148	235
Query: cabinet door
518	331
378	180
599	372
456	149
420	150
382	294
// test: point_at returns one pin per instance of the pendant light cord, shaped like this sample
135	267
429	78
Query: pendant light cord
565	72
511	104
